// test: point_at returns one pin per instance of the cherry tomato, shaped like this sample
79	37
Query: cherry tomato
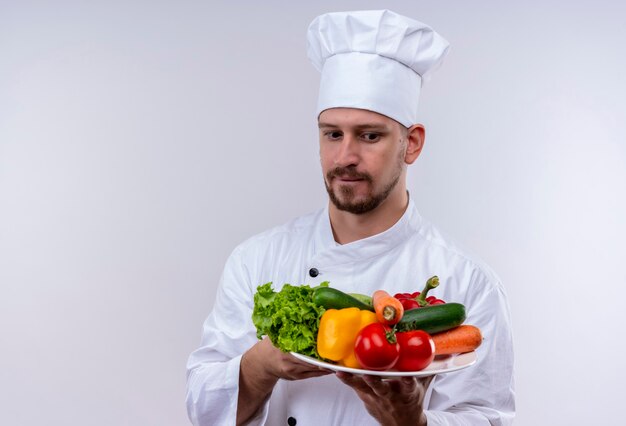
417	350
376	347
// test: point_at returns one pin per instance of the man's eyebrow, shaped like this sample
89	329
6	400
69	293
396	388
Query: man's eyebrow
369	126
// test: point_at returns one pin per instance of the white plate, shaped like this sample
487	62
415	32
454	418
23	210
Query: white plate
441	364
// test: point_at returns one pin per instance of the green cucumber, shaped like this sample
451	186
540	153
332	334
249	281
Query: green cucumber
363	298
331	298
433	319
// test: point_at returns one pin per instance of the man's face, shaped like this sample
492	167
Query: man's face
362	155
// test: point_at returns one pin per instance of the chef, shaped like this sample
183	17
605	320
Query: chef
369	236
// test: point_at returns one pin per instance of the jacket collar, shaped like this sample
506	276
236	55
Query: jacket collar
329	252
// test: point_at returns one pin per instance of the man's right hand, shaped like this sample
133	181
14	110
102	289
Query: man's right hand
274	363
261	367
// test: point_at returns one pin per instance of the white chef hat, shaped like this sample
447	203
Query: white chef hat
374	60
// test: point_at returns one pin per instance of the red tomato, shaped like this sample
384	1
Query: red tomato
376	347
417	350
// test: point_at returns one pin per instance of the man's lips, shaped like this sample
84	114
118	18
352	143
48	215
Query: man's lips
349	179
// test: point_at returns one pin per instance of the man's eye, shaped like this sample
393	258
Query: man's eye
333	135
371	137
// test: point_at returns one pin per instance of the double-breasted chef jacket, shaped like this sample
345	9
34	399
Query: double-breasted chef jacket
400	259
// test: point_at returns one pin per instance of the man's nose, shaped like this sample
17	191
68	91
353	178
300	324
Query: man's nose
348	152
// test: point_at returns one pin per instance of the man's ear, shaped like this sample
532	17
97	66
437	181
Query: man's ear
416	135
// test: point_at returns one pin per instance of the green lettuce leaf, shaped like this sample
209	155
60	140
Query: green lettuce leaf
289	318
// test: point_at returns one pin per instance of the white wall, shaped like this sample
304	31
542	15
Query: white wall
141	141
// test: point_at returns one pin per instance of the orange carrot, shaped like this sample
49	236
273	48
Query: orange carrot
388	309
464	338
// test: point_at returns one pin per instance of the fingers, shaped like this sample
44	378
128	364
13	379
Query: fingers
426	381
292	368
376	385
355	382
300	375
298	364
283	365
288	358
367	384
379	386
408	384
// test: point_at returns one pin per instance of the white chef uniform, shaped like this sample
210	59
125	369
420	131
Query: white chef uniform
400	259
373	60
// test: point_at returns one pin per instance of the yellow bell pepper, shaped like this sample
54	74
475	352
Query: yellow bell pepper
337	334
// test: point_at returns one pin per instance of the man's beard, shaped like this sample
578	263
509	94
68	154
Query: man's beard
370	202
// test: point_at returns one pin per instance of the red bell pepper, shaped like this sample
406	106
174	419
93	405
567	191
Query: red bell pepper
419	300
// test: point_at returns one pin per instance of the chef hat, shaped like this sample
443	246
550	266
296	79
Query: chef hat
374	60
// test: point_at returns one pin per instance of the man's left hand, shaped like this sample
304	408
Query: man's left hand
392	402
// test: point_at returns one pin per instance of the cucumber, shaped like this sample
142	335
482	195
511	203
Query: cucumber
331	298
433	319
363	298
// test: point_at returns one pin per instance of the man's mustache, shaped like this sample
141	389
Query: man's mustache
347	172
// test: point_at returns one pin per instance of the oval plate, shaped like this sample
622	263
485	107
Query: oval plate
441	364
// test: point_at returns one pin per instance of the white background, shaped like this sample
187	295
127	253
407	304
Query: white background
141	141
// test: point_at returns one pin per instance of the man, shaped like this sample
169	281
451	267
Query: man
370	236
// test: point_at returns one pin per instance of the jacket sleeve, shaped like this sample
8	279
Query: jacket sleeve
213	369
482	394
